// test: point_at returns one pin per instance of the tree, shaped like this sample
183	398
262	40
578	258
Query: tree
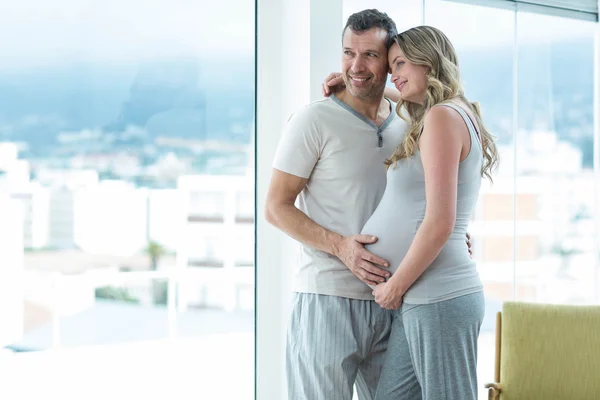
159	288
565	253
155	251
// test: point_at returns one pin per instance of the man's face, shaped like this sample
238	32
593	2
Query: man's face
365	62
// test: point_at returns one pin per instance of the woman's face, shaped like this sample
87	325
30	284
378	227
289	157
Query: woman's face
409	79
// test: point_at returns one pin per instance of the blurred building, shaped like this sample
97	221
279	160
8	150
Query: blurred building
111	218
11	270
533	230
216	242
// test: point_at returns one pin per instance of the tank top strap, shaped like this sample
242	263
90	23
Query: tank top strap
470	125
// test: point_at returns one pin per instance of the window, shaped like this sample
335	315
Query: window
121	125
405	14
533	228
555	182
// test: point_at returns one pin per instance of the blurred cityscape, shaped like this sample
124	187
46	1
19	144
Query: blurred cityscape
107	223
102	189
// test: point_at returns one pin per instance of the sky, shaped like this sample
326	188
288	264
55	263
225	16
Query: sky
45	33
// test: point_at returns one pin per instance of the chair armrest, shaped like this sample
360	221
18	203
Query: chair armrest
494	390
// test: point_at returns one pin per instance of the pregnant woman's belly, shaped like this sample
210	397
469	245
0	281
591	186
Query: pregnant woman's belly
394	233
451	271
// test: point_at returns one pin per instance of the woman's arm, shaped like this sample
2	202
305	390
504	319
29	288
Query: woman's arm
392	93
440	145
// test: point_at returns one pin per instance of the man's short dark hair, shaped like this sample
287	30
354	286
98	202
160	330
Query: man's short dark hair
368	19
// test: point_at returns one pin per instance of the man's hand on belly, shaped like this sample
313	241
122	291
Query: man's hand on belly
351	251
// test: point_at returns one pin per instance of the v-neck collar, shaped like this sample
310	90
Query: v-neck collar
389	119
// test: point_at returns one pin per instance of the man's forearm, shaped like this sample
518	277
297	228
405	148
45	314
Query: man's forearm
296	224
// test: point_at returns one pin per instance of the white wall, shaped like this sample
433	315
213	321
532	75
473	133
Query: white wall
298	45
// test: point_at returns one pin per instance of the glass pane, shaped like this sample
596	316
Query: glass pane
557	257
108	110
405	14
483	38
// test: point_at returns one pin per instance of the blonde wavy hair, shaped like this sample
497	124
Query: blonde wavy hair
429	47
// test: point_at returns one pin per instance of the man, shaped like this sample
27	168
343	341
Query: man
331	159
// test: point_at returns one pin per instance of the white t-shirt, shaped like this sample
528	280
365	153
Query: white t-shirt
342	155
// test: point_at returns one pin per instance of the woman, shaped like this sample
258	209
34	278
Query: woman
433	182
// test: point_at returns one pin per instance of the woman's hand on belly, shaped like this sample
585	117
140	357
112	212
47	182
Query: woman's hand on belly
388	295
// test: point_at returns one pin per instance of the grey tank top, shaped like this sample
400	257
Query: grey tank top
401	211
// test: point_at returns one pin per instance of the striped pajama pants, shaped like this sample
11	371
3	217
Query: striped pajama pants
332	343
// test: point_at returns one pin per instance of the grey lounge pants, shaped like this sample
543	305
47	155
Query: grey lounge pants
432	351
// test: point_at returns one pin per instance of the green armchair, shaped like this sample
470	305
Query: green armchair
547	352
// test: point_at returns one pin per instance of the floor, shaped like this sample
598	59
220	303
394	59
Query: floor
182	369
